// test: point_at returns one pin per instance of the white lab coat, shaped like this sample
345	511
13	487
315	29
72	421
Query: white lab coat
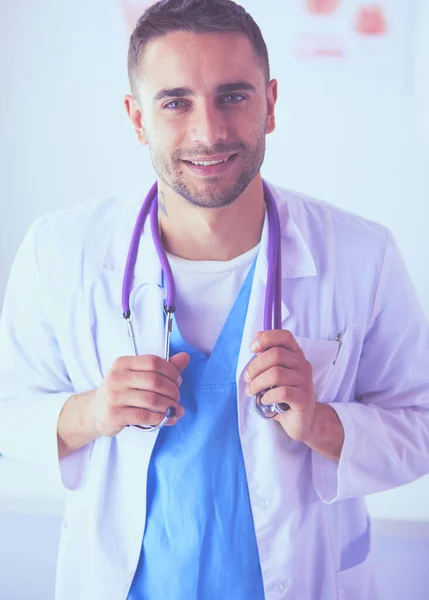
62	329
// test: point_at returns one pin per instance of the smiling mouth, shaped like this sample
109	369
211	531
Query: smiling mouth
209	163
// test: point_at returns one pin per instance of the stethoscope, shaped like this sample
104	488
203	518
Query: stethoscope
272	308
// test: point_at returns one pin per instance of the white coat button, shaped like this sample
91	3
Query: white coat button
266	503
283	586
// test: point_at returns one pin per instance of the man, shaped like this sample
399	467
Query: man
219	503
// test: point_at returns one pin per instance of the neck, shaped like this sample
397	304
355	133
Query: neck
221	234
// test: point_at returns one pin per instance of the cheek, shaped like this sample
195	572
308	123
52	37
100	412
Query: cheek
166	137
250	122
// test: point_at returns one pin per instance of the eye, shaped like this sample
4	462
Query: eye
234	98
174	105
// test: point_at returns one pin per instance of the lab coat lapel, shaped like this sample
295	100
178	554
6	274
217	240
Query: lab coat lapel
147	269
297	261
146	304
145	294
132	448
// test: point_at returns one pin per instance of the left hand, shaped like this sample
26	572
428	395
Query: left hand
280	363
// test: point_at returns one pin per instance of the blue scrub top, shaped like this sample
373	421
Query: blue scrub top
199	542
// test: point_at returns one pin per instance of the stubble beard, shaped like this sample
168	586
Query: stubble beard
215	195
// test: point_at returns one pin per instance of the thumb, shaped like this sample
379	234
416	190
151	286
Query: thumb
180	361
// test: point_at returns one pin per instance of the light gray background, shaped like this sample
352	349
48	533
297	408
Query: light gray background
65	138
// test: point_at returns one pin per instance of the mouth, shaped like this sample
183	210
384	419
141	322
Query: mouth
213	166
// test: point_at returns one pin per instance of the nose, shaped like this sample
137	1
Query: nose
207	125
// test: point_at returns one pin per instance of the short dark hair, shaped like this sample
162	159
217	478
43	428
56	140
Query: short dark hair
198	16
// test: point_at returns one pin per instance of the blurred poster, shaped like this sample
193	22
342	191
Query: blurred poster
329	41
358	40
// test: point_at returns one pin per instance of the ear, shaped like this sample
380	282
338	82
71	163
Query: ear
271	102
135	115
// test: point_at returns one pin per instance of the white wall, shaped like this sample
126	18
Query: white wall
65	138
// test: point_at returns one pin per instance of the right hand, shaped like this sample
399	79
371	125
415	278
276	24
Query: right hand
137	390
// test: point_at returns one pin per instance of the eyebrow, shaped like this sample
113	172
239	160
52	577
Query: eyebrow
224	88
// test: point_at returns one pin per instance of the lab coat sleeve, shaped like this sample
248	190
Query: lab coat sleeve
387	426
34	384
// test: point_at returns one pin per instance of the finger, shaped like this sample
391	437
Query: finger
275	376
180	361
152	382
292	396
277	356
147	363
275	337
133	416
151	401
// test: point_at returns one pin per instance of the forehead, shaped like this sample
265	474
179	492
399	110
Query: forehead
184	58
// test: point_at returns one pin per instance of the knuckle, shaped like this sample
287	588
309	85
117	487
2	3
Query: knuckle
287	336
154	401
113	399
152	362
261	336
277	374
285	394
115	377
120	363
251	368
277	354
154	379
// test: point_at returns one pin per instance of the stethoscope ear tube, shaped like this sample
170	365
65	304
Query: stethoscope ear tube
272	311
171	412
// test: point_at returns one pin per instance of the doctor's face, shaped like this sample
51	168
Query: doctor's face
205	111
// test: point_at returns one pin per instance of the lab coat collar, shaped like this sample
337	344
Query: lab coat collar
147	268
297	260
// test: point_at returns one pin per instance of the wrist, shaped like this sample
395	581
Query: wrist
326	435
314	432
87	414
76	424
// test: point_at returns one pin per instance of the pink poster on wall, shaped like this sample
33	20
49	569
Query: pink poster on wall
352	41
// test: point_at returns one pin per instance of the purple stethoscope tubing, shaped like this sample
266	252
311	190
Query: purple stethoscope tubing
272	306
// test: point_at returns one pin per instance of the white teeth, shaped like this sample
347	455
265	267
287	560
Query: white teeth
209	163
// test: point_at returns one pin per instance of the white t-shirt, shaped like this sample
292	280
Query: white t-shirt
205	293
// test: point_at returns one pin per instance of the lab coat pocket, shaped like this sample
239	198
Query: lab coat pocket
358	582
329	360
356	579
